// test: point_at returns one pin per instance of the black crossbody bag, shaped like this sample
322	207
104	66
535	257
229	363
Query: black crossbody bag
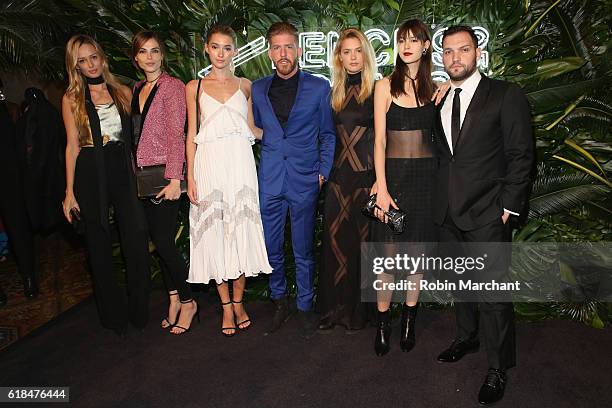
150	180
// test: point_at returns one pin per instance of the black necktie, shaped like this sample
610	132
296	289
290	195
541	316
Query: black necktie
456	117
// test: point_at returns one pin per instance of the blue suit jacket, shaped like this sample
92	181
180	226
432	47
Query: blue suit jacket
305	147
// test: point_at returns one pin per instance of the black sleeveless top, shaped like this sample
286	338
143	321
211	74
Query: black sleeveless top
410	166
409	131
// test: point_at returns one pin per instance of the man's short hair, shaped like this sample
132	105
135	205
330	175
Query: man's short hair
460	29
282	27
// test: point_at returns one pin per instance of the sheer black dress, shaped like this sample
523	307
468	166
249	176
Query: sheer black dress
352	176
410	165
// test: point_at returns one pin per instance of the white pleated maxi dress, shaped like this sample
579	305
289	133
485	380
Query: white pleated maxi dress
225	229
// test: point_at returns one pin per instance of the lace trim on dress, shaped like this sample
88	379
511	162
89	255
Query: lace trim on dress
215	209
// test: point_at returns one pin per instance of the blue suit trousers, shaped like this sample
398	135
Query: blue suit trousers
302	208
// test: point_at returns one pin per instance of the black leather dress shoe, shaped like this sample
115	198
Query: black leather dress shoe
281	314
354	329
309	324
458	349
326	325
30	288
493	388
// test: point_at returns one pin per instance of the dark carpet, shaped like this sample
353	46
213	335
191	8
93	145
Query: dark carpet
560	364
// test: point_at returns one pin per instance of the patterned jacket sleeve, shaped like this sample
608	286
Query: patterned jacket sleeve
175	109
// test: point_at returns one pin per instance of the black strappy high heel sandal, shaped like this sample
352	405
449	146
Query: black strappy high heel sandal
229	328
195	315
165	323
244	321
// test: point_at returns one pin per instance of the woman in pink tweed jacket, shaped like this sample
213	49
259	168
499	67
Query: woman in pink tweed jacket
158	110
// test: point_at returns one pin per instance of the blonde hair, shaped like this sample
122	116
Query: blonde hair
77	84
368	74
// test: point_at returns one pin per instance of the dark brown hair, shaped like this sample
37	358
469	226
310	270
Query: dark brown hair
282	27
460	29
222	29
425	86
142	37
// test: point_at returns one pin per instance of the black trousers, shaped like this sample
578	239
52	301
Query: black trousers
162	221
13	209
496	318
14	215
114	307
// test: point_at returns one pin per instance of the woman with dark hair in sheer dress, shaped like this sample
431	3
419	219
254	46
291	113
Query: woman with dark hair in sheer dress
404	163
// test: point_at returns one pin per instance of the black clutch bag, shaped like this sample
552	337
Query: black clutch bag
395	218
150	181
77	222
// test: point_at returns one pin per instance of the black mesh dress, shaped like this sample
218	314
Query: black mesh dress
352	176
410	164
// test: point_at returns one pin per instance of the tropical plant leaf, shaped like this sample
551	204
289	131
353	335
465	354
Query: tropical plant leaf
539	19
586	154
407	10
547	99
584	169
554	67
564	199
554	191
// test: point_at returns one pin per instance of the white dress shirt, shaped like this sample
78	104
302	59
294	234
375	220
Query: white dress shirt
468	88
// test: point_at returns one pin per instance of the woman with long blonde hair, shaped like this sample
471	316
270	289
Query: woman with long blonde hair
99	173
352	175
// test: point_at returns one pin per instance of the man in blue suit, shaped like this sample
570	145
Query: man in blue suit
293	109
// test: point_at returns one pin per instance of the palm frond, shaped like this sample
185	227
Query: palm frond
555	191
553	97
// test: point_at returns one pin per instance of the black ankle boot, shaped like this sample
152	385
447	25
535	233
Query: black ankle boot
383	333
408	338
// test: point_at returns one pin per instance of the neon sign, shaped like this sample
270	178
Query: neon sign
317	50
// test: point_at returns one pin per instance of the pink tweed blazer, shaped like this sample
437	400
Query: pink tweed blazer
162	140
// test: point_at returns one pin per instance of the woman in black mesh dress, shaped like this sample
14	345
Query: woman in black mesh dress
405	165
354	70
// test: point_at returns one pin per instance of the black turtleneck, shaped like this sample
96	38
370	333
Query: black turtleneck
282	96
353	79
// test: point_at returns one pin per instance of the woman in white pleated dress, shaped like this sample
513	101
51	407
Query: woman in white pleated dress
225	230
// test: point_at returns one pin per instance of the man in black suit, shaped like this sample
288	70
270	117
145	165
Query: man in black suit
486	150
12	205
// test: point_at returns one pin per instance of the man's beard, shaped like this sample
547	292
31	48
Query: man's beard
289	68
462	75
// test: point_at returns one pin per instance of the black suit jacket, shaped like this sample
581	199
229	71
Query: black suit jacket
39	132
492	162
